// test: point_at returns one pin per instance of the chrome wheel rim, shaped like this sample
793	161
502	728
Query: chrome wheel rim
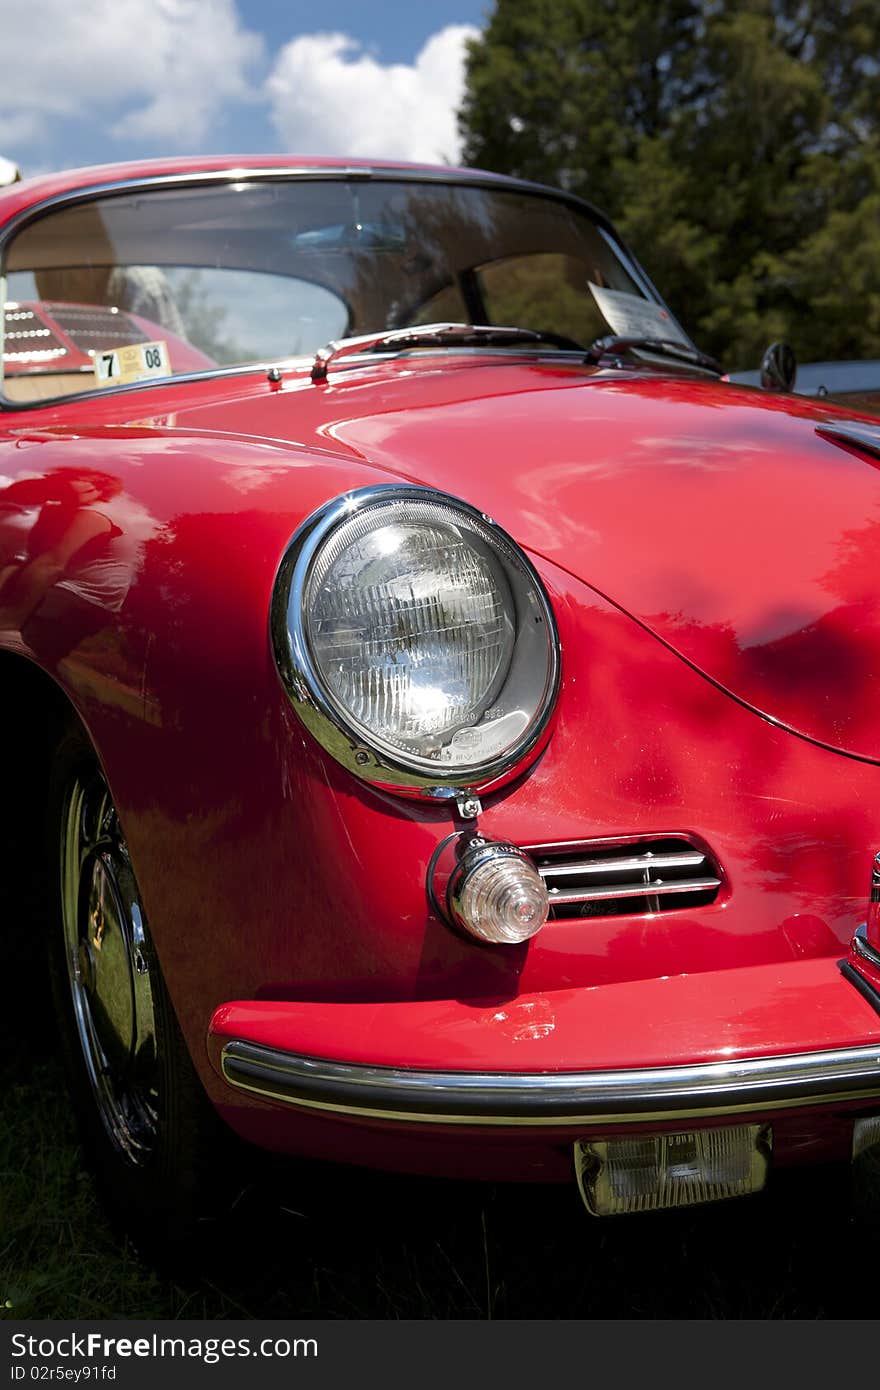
109	969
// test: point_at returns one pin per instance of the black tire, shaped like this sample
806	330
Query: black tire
160	1154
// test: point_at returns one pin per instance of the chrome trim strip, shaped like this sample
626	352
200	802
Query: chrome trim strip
686	838
652	888
548	1099
567	868
862	946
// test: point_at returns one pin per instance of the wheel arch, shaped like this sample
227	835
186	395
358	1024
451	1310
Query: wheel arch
35	711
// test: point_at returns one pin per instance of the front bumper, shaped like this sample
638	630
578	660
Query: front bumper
751	1041
579	1099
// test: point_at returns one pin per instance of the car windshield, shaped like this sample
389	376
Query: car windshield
158	281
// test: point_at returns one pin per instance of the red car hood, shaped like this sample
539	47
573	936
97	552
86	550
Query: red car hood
717	517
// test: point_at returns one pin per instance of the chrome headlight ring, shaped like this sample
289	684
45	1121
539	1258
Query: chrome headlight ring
415	641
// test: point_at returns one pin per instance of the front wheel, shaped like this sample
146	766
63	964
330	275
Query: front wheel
158	1149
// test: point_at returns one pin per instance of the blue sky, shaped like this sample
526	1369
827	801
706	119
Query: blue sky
99	80
397	28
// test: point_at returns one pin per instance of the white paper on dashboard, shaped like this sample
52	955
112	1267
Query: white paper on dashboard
631	316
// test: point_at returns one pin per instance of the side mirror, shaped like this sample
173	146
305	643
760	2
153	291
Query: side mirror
778	368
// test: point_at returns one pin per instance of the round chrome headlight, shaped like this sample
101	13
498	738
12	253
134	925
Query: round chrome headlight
415	640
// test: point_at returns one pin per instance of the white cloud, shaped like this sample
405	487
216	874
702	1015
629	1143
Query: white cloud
328	96
17	128
163	74
159	70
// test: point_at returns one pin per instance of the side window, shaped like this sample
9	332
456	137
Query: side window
545	290
61	323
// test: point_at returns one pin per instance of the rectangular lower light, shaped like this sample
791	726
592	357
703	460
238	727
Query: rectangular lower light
655	1171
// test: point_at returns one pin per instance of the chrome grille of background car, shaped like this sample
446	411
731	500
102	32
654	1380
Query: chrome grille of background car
95	326
26	337
605	878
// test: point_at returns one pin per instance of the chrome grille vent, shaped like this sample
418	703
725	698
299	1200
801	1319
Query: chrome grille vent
608	878
27	339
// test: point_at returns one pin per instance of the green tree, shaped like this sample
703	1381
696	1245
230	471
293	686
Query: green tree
736	144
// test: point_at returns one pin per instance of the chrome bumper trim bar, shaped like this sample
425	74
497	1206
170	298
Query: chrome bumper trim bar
560	1099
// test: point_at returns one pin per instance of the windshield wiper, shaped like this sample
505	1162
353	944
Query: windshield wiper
454	335
613	346
438	335
473	335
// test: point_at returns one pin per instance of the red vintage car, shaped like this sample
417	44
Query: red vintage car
455	705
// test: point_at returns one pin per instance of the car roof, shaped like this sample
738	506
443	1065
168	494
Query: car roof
32	191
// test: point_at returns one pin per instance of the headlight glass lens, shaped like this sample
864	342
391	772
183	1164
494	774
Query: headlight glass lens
425	631
411	628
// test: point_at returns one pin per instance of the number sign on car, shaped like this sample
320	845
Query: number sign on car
136	362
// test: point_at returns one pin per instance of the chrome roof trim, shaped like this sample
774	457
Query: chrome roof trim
266	173
554	1099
